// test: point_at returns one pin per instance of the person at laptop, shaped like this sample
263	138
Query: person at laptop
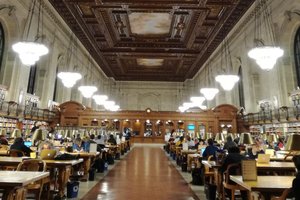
3	140
229	143
256	149
19	145
210	149
234	156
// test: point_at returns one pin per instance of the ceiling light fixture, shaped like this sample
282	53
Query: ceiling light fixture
31	51
265	55
87	91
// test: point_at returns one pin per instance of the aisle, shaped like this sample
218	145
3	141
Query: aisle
145	173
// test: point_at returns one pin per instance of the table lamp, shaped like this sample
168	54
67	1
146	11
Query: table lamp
246	139
293	143
3	132
272	138
38	135
16	133
68	135
219	137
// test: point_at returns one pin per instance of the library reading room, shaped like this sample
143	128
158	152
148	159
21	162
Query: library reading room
150	99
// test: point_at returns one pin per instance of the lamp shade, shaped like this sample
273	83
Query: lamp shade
272	138
230	135
246	139
219	137
3	132
293	143
68	134
16	133
207	136
38	135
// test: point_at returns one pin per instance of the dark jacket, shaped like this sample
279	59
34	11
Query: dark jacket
296	187
21	147
231	158
210	150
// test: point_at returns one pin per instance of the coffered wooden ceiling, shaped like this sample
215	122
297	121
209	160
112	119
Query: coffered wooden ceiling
151	40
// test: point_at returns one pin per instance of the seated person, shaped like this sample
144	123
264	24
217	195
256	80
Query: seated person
112	140
179	142
296	182
3	140
210	149
77	145
233	157
19	145
229	143
256	149
191	143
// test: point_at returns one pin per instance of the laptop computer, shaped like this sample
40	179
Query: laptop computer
48	154
28	143
263	158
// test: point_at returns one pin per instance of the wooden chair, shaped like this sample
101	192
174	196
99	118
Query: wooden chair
34	165
232	169
208	172
15	153
283	195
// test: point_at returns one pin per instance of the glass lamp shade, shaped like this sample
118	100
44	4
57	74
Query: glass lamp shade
69	79
272	138
87	91
108	104
246	139
219	137
227	81
38	135
16	133
265	56
3	132
206	136
209	93
293	143
100	99
68	134
30	52
197	100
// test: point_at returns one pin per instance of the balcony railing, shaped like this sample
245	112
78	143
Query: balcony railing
282	114
13	109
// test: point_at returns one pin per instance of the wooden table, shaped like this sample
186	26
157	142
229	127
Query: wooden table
15	182
278	167
64	169
267	185
88	160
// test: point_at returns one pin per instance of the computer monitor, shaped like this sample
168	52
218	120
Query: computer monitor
28	143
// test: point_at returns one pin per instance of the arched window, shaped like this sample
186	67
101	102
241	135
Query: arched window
241	88
297	55
1	44
31	80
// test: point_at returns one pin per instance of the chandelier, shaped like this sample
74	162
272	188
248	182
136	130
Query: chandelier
30	51
265	55
69	79
87	91
100	99
226	80
209	93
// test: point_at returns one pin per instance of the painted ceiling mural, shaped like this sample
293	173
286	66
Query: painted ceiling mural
151	40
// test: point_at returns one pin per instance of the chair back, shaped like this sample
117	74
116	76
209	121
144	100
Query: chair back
232	169
15	153
283	196
32	165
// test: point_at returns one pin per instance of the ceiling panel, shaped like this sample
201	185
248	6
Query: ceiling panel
151	40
